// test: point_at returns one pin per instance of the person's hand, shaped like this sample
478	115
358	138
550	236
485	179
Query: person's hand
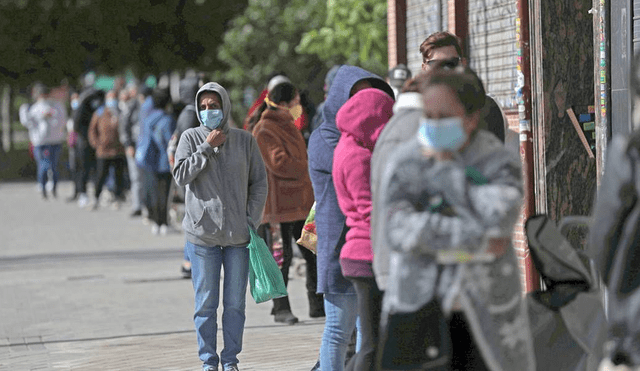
131	151
216	137
443	156
437	155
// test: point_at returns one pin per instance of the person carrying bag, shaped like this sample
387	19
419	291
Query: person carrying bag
265	279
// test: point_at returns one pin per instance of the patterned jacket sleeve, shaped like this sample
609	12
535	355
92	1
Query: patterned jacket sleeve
444	209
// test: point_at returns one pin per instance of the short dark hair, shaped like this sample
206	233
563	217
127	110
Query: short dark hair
464	82
160	97
438	40
283	92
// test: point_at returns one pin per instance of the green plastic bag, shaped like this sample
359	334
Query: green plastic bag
265	278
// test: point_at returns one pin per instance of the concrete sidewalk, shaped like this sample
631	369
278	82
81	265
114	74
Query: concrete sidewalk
95	290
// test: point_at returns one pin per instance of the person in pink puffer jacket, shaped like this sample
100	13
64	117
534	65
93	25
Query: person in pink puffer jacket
360	121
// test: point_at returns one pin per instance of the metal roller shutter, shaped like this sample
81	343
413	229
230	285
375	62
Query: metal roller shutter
491	47
423	19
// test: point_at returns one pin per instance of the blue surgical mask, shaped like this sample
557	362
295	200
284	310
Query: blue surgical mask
445	134
111	103
211	118
75	104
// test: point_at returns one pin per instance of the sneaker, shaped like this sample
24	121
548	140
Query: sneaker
83	200
286	317
95	205
209	368
163	230
136	213
316	367
231	367
185	269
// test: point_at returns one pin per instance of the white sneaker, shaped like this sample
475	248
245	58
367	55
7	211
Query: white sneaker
163	230
83	200
155	229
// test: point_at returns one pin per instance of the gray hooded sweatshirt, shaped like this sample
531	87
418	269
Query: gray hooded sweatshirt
225	186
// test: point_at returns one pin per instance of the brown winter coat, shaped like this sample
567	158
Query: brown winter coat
104	135
284	152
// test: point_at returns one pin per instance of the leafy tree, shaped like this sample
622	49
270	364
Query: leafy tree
354	31
263	40
49	40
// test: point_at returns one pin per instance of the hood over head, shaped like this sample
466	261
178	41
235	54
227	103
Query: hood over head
364	115
226	104
345	79
328	80
188	89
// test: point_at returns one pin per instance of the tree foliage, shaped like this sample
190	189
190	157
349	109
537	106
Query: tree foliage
49	40
354	31
263	40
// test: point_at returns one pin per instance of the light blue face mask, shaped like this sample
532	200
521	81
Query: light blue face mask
446	134
211	118
111	103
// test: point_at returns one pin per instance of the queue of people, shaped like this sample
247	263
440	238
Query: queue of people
415	194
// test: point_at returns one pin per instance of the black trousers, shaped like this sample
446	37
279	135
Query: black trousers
466	355
419	340
104	164
291	231
369	309
156	193
86	162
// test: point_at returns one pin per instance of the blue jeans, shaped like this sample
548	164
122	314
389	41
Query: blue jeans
341	312
205	275
47	156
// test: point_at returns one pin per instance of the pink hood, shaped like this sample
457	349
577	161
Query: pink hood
364	115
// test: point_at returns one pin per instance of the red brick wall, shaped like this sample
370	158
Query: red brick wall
451	22
519	238
392	44
396	32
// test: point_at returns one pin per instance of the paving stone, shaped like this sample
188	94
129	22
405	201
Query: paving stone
97	291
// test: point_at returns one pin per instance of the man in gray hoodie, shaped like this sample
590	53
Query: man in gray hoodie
225	192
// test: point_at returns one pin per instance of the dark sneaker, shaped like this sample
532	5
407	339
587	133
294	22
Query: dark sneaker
286	317
231	367
209	368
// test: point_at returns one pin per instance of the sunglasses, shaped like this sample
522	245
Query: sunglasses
450	63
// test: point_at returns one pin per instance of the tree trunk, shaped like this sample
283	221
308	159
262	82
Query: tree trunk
5	112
